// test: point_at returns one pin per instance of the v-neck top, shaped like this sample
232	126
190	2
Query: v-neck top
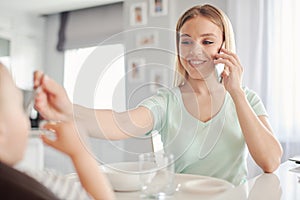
201	123
213	148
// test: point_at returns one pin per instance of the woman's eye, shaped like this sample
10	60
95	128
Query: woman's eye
186	42
207	42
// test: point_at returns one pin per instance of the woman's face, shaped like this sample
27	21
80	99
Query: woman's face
200	40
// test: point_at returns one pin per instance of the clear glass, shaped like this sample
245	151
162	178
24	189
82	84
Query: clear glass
156	175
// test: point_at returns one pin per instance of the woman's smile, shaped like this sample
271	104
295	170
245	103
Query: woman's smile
196	62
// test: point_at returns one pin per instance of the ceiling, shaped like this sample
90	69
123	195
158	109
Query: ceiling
44	7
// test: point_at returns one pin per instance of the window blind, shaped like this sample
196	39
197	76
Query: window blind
92	26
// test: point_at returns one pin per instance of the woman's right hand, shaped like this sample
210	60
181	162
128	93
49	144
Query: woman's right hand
51	99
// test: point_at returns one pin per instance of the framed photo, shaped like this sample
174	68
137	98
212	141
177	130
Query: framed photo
136	72
158	7
147	39
138	14
157	79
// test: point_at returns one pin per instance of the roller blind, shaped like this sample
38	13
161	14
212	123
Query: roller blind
91	26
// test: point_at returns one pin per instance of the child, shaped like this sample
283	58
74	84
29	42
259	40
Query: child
14	129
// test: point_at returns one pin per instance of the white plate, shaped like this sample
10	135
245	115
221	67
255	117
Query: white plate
206	185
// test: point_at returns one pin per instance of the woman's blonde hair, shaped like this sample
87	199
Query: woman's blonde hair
216	16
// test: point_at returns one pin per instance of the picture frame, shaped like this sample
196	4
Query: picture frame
158	7
158	79
144	39
136	73
138	14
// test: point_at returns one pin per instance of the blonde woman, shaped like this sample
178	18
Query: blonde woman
207	120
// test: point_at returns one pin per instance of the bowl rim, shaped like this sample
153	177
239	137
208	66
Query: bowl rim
113	167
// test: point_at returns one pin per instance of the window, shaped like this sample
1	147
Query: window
102	70
104	63
268	45
284	70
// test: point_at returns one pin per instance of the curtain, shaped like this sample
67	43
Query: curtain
250	24
62	29
283	70
267	37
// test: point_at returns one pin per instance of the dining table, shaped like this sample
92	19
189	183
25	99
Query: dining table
283	184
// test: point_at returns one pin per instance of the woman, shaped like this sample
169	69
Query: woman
206	121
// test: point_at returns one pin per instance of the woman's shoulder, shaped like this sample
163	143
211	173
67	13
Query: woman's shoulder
252	97
250	93
247	90
163	96
168	92
255	101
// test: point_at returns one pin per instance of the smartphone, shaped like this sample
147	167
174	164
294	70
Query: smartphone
219	68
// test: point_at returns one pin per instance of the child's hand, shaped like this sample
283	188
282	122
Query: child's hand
68	140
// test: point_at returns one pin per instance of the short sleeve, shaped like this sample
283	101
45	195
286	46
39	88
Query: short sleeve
157	104
255	102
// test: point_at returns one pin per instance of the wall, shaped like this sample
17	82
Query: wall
181	6
155	56
26	33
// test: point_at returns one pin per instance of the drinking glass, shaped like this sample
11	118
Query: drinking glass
156	175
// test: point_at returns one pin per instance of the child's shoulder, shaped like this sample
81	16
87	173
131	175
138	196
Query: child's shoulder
18	185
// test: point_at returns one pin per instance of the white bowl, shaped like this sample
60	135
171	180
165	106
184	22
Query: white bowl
123	176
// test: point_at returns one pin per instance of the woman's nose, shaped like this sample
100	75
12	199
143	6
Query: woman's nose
197	49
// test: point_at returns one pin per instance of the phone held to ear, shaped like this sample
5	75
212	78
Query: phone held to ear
219	68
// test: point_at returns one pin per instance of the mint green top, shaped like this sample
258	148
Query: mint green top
214	148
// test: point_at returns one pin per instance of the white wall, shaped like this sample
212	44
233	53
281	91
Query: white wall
26	34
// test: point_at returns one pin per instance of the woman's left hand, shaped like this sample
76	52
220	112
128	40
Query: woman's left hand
233	70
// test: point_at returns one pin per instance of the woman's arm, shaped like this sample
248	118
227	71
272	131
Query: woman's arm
263	146
53	103
107	124
51	99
